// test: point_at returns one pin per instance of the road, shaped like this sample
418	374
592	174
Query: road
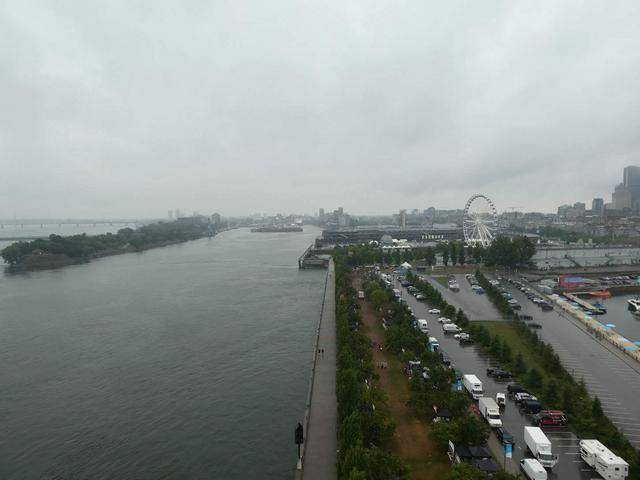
608	373
470	360
477	307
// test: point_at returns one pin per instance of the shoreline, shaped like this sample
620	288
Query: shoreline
61	261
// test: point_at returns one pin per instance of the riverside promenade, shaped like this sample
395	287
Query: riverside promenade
320	446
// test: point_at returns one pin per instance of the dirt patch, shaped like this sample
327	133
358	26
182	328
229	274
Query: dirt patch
411	440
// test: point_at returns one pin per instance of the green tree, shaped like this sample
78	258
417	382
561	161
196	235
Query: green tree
461	256
502	475
551	394
445	256
357	475
464	471
453	253
430	256
520	366
596	409
496	346
534	379
11	254
506	355
478	253
378	298
471	430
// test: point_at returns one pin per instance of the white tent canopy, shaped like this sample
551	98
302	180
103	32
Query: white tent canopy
406	265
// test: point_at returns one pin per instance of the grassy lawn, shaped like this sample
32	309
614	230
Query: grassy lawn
442	280
508	334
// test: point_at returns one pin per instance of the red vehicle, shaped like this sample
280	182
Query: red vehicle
550	418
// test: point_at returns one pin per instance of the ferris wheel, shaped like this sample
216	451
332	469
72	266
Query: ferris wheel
480	220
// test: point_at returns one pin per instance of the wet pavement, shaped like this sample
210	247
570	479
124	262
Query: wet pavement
471	360
608	373
477	307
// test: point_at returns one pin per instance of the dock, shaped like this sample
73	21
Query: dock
312	258
319	449
583	304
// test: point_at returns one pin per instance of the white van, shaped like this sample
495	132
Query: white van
423	325
533	469
450	328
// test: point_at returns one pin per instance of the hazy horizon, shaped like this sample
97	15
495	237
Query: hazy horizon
126	110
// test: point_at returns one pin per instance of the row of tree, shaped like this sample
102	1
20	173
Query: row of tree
364	431
87	246
509	252
403	339
557	388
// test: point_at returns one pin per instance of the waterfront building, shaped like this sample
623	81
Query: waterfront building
621	198
597	206
631	181
574	211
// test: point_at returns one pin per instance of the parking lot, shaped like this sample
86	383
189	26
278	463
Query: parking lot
471	360
477	307
614	379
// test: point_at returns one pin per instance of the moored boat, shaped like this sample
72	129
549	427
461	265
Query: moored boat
634	304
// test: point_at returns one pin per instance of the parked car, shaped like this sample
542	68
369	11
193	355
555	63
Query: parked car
466	340
531	406
534	325
445	358
434	311
548	418
522	396
420	297
501	400
515	388
501	374
443	320
504	436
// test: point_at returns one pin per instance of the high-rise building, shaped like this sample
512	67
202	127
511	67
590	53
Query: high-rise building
403	218
631	181
321	214
597	206
562	210
170	214
622	198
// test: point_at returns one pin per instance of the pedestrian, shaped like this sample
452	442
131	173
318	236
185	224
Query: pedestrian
323	352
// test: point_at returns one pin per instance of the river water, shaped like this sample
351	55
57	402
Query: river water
626	324
189	361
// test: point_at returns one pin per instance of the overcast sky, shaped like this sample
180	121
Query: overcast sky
117	109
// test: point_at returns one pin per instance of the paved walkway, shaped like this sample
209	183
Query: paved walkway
321	441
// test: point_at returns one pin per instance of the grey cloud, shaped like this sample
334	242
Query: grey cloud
121	109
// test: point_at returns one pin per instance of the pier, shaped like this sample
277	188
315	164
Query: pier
586	305
313	258
319	449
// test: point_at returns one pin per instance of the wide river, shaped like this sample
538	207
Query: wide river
189	361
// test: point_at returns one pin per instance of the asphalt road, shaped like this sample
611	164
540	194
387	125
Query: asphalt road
608	373
477	307
470	360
